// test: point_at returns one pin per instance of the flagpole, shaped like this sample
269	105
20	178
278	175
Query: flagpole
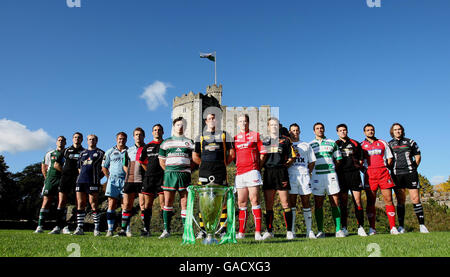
215	69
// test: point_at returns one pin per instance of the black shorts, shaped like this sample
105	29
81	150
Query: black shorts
68	183
406	181
87	188
350	180
152	184
276	178
132	188
216	169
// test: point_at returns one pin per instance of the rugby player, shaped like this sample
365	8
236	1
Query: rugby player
112	167
377	157
67	163
213	152
324	178
133	180
300	178
88	183
154	176
279	156
349	177
249	159
404	174
175	158
52	178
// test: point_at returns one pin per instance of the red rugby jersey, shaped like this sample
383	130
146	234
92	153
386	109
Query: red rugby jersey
248	147
376	153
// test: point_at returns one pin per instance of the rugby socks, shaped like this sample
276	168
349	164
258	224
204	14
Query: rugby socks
96	216
359	213
371	215
344	215
307	214
318	212
183	217
336	212
81	214
269	221
390	211
294	215
146	218
401	215
287	213
61	217
418	209
126	217
110	219
43	213
257	215
167	216
242	219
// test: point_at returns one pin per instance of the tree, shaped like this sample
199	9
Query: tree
6	186
27	198
443	187
425	184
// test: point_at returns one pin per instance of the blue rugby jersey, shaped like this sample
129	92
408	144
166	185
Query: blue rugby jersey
113	161
90	165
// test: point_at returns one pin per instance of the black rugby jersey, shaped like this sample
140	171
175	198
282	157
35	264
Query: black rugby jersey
149	157
404	151
351	153
69	160
212	146
278	151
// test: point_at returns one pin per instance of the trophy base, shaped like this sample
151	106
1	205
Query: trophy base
209	240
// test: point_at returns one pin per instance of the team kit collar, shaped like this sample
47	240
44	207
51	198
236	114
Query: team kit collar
124	149
374	140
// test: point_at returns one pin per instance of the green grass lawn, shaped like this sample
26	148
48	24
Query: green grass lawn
24	243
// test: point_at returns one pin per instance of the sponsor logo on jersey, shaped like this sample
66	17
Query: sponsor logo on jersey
391	213
375	152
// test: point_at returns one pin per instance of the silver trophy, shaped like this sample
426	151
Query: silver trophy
210	200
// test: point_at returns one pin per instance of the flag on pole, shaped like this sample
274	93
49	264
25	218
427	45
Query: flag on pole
209	56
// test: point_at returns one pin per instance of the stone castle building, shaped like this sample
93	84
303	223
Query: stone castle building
193	108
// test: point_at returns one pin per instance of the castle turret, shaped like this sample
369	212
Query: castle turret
215	91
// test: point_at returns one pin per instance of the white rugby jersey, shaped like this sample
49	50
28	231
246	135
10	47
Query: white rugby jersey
305	155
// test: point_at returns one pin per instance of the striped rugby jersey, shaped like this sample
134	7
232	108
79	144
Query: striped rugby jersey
135	171
177	151
404	151
325	150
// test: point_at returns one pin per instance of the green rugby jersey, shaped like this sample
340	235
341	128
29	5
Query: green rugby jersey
49	160
325	151
177	151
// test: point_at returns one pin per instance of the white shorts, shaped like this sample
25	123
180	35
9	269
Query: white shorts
248	179
300	184
324	183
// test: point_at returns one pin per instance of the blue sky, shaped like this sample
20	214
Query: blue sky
84	69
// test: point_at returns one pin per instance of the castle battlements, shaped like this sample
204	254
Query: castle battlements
192	106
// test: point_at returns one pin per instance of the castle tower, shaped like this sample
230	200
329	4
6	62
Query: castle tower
215	91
